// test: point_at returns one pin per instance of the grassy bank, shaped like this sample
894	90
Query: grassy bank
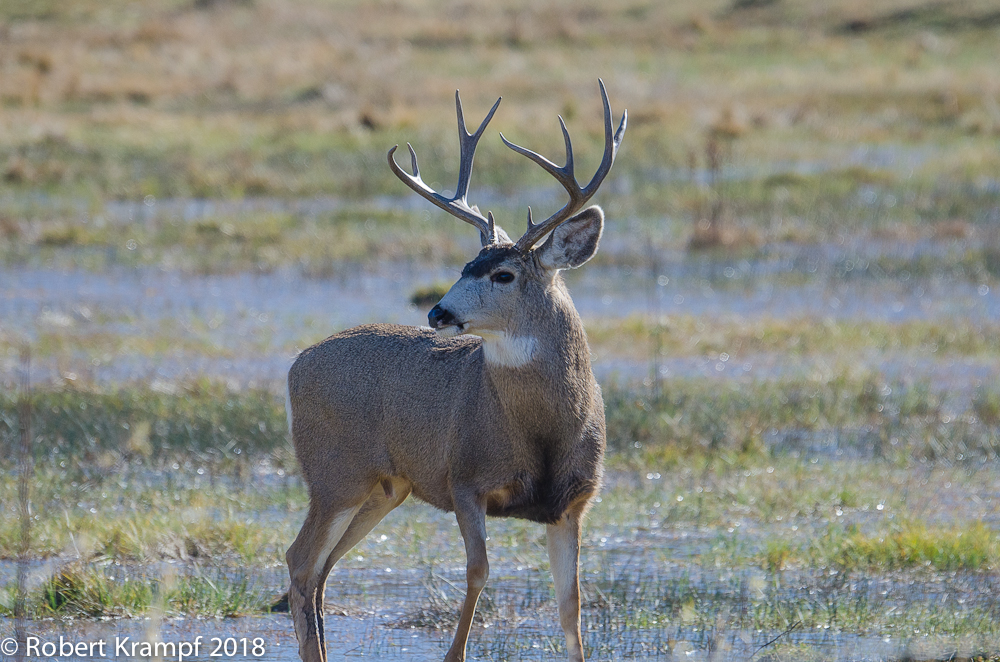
203	423
101	430
327	244
642	339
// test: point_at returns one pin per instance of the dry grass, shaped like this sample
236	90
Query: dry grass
250	97
741	339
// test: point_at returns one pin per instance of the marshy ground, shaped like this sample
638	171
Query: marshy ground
794	314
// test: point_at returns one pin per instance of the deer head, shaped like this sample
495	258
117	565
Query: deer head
493	297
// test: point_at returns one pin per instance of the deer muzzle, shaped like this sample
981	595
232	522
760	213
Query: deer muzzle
441	318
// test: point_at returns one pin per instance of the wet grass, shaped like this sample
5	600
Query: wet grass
863	415
155	525
141	517
737	611
776	519
707	550
132	474
80	590
95	431
890	546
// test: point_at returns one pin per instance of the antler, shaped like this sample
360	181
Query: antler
565	175
456	205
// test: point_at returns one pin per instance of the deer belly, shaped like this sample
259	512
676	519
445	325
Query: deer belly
438	496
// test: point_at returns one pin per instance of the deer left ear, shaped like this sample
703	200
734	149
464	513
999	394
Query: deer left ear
574	242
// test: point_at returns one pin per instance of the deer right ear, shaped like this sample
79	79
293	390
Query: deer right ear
573	242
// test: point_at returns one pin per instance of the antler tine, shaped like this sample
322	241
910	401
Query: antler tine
457	204
611	145
577	196
467	144
563	175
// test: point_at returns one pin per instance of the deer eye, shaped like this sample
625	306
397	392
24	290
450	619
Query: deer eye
502	277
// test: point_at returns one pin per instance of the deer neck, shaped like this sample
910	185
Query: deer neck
541	366
550	337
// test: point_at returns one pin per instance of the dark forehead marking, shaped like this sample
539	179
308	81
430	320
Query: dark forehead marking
489	259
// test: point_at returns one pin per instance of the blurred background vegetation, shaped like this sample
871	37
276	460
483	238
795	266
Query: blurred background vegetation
780	121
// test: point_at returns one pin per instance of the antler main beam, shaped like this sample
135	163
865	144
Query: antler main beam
565	175
457	205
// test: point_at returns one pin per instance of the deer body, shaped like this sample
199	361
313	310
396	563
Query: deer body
495	411
529	437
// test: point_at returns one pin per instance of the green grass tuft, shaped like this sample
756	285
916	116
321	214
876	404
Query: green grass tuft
90	591
916	544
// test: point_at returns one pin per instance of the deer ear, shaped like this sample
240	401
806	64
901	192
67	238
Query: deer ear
574	242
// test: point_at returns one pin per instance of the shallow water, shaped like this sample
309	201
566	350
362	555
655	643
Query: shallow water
372	620
377	600
247	328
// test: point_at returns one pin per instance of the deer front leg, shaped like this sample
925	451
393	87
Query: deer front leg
564	561
471	515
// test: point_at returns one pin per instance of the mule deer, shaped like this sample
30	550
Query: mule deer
494	410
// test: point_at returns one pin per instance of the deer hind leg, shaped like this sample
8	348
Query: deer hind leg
379	504
564	561
471	517
323	528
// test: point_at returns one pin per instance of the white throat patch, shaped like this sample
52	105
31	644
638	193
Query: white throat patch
508	351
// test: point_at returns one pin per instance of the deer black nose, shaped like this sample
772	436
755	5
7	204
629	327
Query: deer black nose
438	317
